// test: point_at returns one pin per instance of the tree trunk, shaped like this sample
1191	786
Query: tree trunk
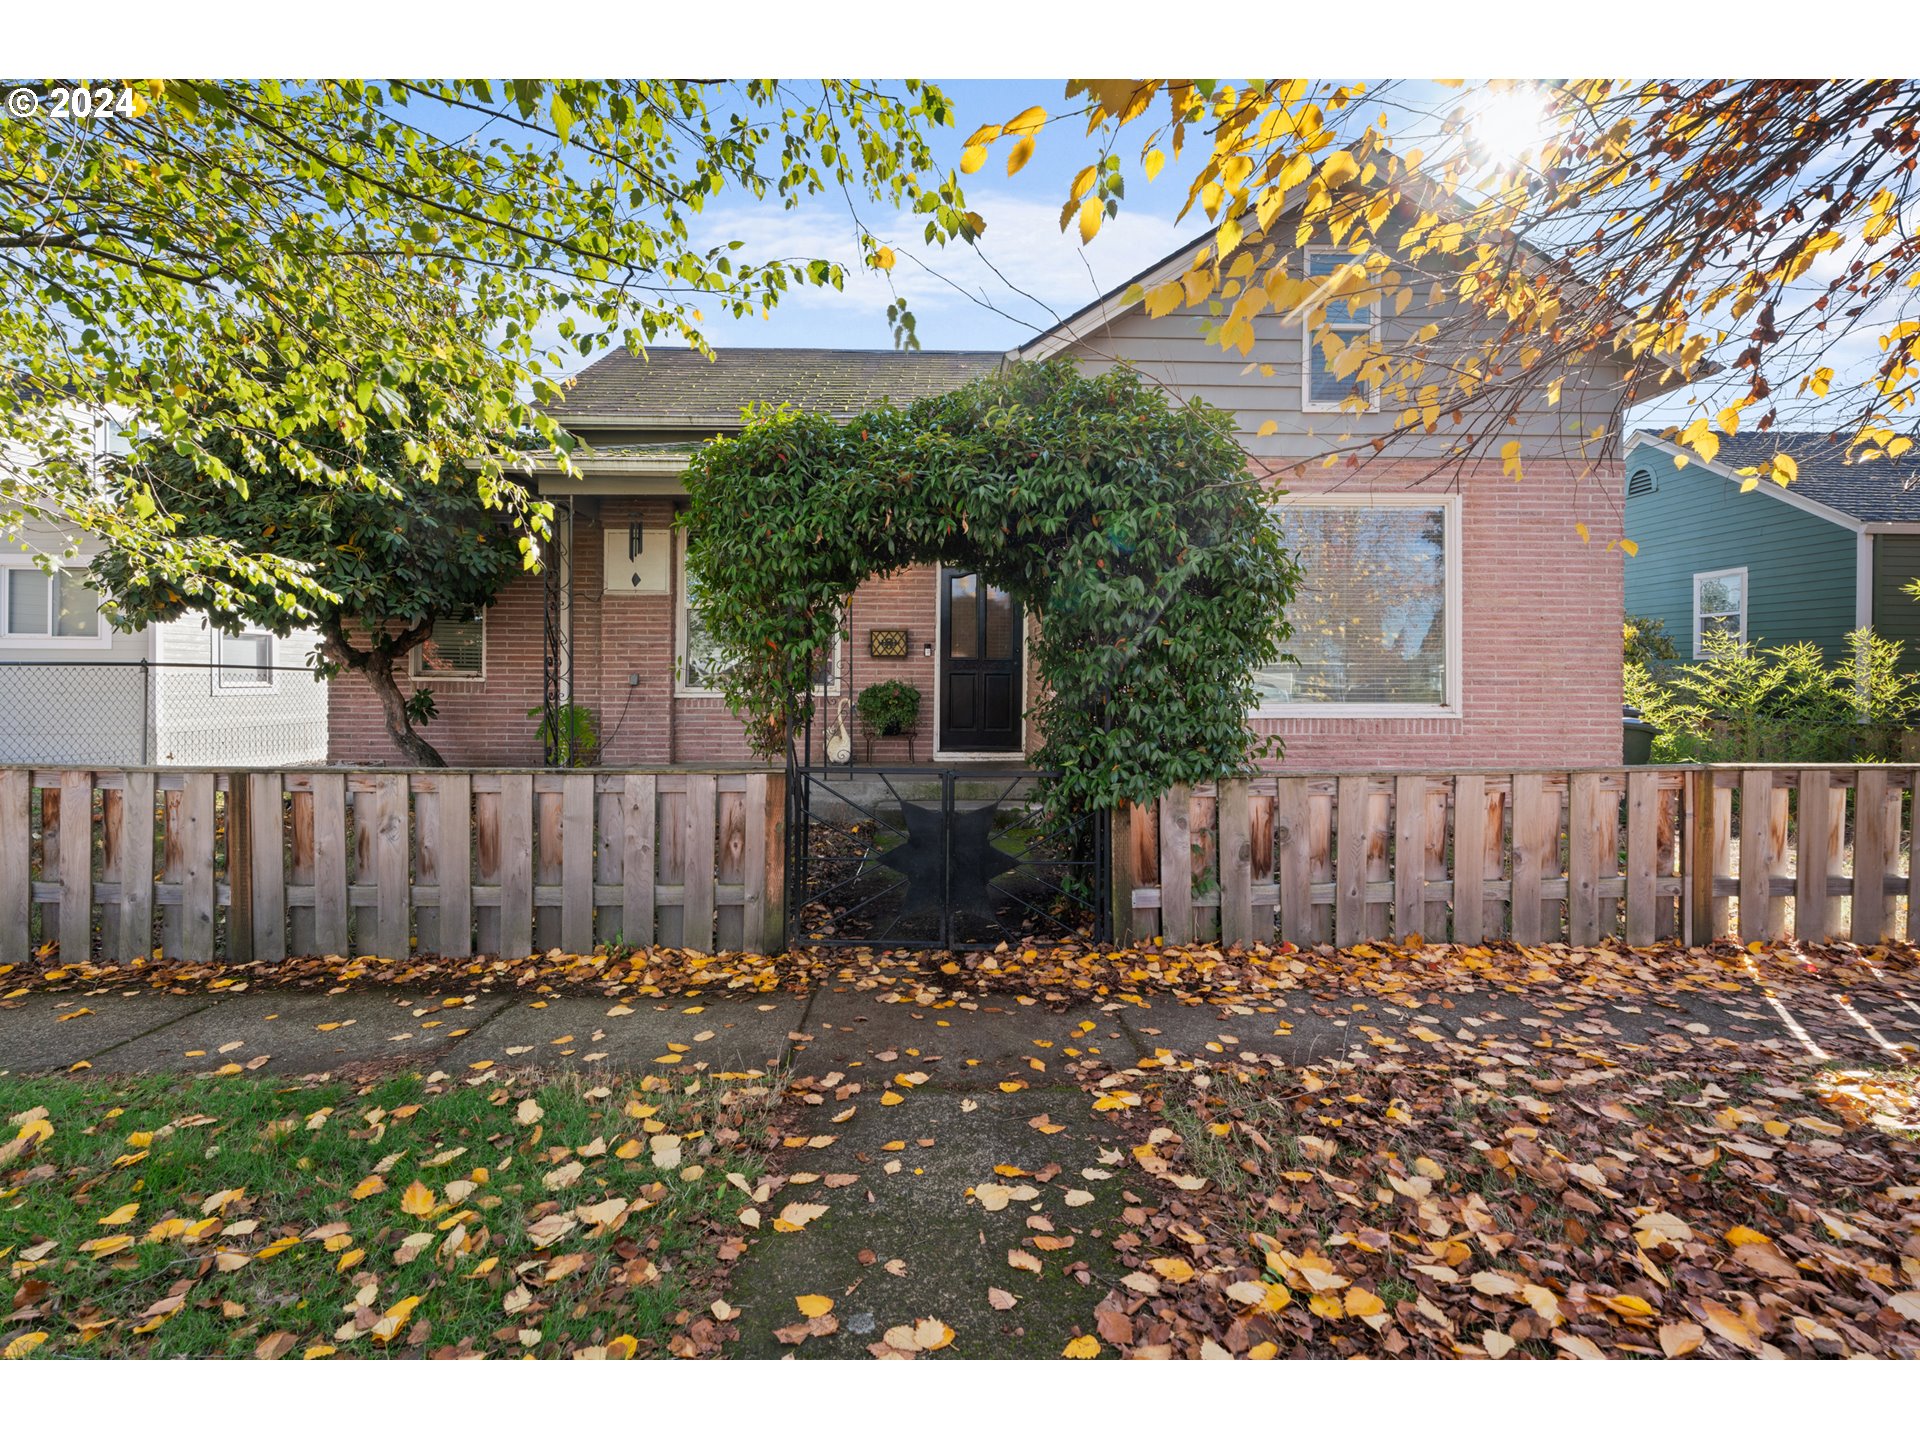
413	746
376	664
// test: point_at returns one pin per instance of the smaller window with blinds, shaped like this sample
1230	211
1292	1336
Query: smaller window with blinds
1325	384
457	650
1719	607
699	667
244	661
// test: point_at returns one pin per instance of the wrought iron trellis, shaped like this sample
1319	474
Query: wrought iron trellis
556	670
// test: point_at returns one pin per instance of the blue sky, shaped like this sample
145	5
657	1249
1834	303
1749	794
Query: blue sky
1023	241
958	299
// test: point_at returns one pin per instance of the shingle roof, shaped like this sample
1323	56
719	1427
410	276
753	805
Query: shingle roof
1868	490
676	387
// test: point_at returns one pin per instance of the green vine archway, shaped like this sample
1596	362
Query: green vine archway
1130	526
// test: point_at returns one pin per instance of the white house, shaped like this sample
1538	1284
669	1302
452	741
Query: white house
75	691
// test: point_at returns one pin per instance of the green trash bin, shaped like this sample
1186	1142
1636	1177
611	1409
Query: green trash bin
1637	742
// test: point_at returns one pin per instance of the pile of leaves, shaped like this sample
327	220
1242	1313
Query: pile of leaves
439	1216
1566	1201
1057	974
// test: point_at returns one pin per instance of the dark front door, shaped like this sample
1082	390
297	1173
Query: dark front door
979	665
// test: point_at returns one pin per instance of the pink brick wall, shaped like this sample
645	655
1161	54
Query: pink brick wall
481	722
1540	659
1541	619
485	722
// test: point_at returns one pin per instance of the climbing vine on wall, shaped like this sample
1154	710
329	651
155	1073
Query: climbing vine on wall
1129	525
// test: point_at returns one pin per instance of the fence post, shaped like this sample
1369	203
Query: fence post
763	862
1176	866
1697	858
1120	897
16	862
1409	857
239	868
1235	863
1871	846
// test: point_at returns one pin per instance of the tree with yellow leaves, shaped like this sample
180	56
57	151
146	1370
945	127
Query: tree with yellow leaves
1746	243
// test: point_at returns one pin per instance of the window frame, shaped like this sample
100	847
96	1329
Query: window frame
1308	350
448	677
103	633
222	685
1702	577
681	615
1452	705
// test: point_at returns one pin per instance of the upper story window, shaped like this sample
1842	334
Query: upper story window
1323	384
38	609
457	650
1376	623
1719	606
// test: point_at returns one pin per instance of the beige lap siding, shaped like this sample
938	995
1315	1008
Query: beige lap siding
1540	629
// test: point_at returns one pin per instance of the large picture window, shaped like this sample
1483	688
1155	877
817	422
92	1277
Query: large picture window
698	666
1376	621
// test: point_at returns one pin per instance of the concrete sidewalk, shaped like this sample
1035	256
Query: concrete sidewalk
301	1032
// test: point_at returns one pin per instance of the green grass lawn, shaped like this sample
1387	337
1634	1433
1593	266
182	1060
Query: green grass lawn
163	1216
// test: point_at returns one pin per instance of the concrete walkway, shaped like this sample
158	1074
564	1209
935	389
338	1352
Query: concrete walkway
301	1032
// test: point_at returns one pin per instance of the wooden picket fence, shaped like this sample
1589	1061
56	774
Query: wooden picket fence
260	865
1649	854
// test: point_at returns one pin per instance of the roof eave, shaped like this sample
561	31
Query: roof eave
1782	493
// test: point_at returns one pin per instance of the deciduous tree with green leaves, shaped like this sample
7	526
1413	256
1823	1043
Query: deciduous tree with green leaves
386	560
243	266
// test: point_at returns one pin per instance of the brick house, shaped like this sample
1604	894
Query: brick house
1450	617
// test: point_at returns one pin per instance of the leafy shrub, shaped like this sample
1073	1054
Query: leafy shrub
890	707
1784	704
1132	527
577	731
1647	643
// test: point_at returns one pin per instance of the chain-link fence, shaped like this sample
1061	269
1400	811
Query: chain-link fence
151	712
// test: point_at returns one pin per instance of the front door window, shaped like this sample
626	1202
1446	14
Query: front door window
979	665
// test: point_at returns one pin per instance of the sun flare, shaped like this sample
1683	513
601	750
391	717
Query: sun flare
1509	124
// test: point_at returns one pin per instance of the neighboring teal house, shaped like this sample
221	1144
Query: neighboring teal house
1807	561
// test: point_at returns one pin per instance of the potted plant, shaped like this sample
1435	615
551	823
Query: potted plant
889	707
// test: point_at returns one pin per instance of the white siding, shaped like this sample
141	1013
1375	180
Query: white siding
94	704
202	723
83	703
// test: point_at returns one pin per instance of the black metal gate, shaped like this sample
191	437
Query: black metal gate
922	857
